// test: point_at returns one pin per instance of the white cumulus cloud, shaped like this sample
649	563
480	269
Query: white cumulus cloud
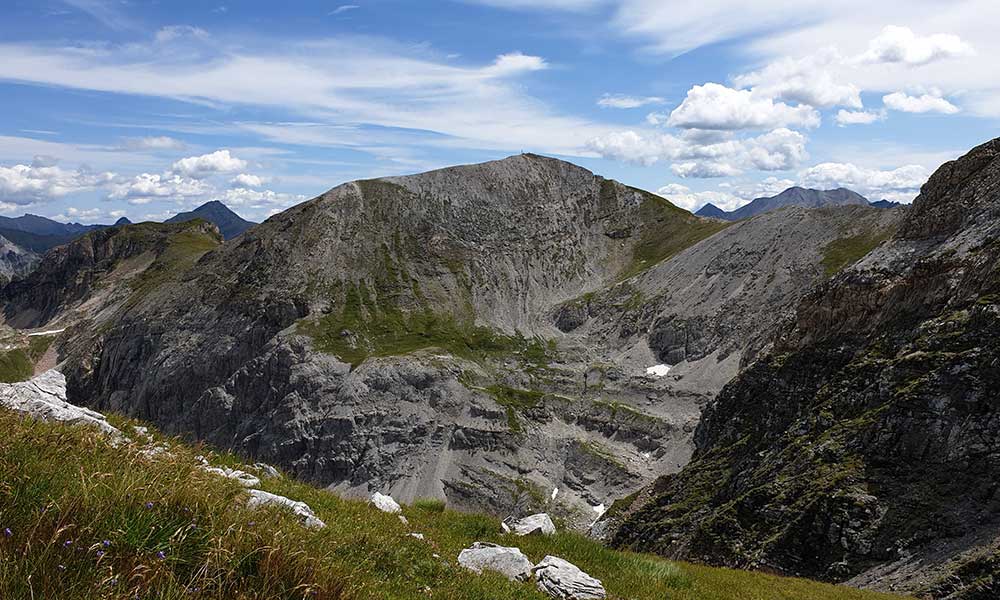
146	187
699	153
806	80
42	181
859	117
715	106
683	197
900	45
206	165
246	180
900	184
919	104
514	64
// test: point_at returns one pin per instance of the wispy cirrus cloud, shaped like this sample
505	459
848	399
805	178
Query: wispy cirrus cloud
338	81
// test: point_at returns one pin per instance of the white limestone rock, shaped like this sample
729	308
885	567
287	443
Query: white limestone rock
260	498
483	556
245	479
385	503
564	580
267	470
44	398
534	524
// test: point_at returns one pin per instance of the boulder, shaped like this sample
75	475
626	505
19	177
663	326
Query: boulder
385	503
44	398
260	498
564	580
534	524
509	562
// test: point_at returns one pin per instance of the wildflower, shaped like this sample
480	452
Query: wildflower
149	505
251	523
62	567
161	555
106	543
67	543
7	532
100	553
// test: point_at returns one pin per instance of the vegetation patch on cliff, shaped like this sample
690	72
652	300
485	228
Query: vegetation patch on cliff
666	231
18	364
848	250
365	326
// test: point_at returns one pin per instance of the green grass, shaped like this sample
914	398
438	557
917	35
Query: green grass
667	230
369	325
64	491
181	247
848	250
514	401
19	364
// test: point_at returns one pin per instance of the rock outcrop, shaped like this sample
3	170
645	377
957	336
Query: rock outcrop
385	503
259	498
562	579
540	524
862	446
44	398
509	562
15	261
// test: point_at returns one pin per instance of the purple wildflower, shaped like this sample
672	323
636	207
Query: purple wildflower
100	553
67	543
106	543
7	532
149	505
161	555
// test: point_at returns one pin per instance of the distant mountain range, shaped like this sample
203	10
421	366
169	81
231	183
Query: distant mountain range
24	239
793	196
229	223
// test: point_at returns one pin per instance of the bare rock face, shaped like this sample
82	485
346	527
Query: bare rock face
44	398
860	447
15	261
484	556
562	579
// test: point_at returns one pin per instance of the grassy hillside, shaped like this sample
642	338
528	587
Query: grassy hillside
82	519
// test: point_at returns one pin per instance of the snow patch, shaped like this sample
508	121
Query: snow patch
49	332
658	370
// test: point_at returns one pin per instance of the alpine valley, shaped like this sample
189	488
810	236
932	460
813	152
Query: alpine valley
807	389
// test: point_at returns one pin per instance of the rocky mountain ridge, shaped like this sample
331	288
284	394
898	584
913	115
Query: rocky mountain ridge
861	446
416	334
793	196
229	223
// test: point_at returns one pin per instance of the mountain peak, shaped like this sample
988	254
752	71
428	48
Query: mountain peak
229	223
793	196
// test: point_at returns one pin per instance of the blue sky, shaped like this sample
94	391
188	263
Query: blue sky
143	109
